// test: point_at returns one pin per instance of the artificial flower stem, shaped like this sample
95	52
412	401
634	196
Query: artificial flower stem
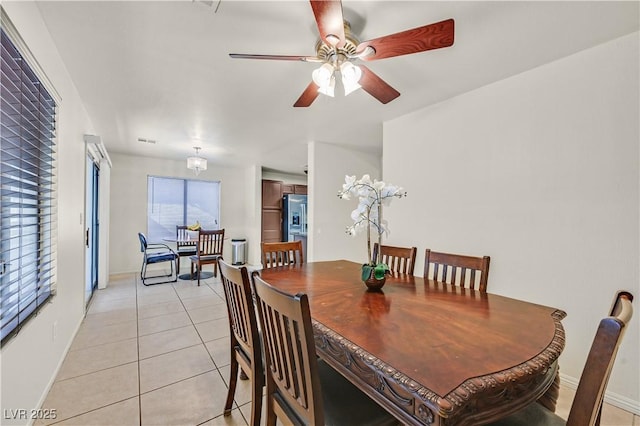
369	235
378	254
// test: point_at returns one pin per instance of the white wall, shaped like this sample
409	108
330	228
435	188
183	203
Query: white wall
539	171
31	359
285	177
104	198
329	216
129	204
253	220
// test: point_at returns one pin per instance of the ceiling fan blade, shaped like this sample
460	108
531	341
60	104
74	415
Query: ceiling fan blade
432	36
376	87
330	22
308	96
276	57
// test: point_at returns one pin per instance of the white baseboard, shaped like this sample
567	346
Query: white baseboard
57	370
612	398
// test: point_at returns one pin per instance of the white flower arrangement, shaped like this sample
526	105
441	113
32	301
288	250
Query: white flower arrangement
372	195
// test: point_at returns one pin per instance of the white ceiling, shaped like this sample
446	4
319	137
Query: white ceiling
161	70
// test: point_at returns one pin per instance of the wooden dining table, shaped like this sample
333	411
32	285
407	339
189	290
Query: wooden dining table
430	353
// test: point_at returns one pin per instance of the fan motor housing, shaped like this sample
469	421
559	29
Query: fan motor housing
327	52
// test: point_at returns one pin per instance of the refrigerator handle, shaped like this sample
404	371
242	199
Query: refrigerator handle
303	225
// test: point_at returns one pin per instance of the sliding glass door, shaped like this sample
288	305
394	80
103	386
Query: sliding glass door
92	228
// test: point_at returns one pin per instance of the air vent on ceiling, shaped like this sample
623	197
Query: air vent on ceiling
143	140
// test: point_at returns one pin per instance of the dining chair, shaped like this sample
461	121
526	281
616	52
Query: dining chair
300	389
157	253
208	251
184	247
282	254
444	267
586	408
399	259
246	349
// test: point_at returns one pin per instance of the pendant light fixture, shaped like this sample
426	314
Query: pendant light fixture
197	163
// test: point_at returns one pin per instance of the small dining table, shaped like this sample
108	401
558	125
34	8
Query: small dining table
189	242
430	353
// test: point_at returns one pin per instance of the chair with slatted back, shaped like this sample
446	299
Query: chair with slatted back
301	389
586	408
184	246
399	259
282	254
246	350
457	269
208	251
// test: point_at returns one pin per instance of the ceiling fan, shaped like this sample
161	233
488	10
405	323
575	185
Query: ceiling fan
338	49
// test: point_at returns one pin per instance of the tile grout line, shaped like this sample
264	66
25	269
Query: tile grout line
200	336
135	282
237	406
224	298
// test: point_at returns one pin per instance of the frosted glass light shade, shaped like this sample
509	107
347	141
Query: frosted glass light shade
325	80
329	89
197	164
351	75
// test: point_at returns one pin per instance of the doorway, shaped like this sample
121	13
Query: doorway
92	227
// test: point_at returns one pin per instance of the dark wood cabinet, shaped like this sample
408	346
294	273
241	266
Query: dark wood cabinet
271	226
271	211
272	192
288	188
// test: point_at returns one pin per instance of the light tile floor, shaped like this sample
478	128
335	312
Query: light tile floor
159	355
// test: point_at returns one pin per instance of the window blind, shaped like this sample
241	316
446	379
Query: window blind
174	201
28	197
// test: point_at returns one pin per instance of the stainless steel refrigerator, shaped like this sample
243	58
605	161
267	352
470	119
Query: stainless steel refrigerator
294	219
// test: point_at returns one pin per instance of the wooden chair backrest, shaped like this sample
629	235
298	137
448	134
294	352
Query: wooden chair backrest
210	242
181	236
242	315
457	269
587	403
399	259
293	384
282	254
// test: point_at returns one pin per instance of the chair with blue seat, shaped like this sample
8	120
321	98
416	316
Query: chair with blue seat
157	253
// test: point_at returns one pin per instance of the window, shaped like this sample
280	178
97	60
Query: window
28	179
174	202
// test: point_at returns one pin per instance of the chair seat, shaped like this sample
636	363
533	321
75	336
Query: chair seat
344	404
186	250
205	258
532	415
157	253
160	257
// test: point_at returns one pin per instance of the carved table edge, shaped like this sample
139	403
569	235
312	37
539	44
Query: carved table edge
447	406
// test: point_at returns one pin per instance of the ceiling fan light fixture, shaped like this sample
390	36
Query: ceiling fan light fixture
197	163
351	75
322	75
325	79
329	89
